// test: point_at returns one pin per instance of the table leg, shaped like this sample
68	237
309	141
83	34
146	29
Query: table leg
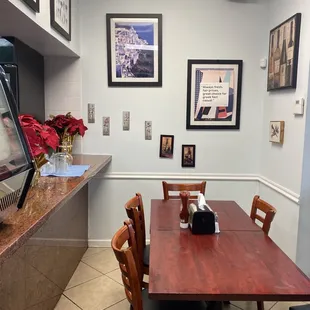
260	305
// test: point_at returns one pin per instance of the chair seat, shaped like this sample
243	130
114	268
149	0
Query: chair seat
149	304
146	255
301	307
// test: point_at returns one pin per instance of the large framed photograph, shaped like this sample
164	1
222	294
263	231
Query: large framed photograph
134	43
166	146
61	17
283	54
214	94
33	4
188	155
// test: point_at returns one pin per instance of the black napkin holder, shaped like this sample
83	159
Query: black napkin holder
201	222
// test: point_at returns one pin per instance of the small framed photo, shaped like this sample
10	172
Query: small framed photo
188	155
61	17
276	132
134	43
283	54
91	113
33	4
214	94
166	146
148	130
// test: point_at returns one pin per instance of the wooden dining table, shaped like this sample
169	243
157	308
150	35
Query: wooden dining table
240	263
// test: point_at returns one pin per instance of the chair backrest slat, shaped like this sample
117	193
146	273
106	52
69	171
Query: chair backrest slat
191	187
128	260
135	211
269	210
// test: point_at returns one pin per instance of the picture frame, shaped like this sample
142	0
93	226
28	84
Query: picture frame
276	132
166	146
33	4
214	94
283	54
134	49
60	12
188	155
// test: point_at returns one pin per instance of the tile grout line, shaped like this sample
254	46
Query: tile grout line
115	304
113	279
72	301
97	269
67	289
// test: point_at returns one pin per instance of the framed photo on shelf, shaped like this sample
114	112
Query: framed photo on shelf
188	155
276	132
214	94
283	54
61	17
33	4
166	146
134	43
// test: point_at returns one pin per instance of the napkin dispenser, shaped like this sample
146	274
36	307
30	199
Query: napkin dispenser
202	218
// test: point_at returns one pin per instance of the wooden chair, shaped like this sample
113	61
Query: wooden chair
270	211
135	211
127	258
191	187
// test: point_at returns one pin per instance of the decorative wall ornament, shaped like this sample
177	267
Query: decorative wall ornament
283	54
61	17
148	130
134	43
276	132
214	94
166	146
91	117
126	120
33	4
106	125
188	155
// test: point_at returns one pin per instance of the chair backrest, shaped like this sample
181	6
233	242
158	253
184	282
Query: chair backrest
127	258
269	210
191	187
135	211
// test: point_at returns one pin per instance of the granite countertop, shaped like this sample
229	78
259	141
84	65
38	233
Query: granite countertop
42	201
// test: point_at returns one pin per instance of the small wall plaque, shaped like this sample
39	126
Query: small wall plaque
106	125
148	130
126	120
91	113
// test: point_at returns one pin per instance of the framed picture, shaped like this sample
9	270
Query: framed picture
276	132
188	155
134	44
283	54
214	94
33	4
166	146
61	17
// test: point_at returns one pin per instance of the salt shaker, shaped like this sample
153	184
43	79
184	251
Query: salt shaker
217	226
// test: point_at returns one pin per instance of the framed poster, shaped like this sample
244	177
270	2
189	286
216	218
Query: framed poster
33	4
134	44
276	132
214	94
166	146
283	54
61	17
188	155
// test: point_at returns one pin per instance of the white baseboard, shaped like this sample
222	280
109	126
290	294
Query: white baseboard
202	176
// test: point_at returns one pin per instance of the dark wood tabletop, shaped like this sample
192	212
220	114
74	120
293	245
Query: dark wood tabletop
165	215
240	263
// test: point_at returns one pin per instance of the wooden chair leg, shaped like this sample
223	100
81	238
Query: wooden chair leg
260	305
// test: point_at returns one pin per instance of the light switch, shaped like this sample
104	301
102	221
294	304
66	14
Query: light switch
299	107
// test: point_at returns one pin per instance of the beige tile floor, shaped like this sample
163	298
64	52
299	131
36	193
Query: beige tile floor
96	285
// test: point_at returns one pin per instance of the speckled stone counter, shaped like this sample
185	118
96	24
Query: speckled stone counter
42	243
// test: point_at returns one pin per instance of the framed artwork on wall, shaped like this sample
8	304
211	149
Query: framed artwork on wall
283	54
33	4
134	43
61	17
188	155
166	146
214	94
276	132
